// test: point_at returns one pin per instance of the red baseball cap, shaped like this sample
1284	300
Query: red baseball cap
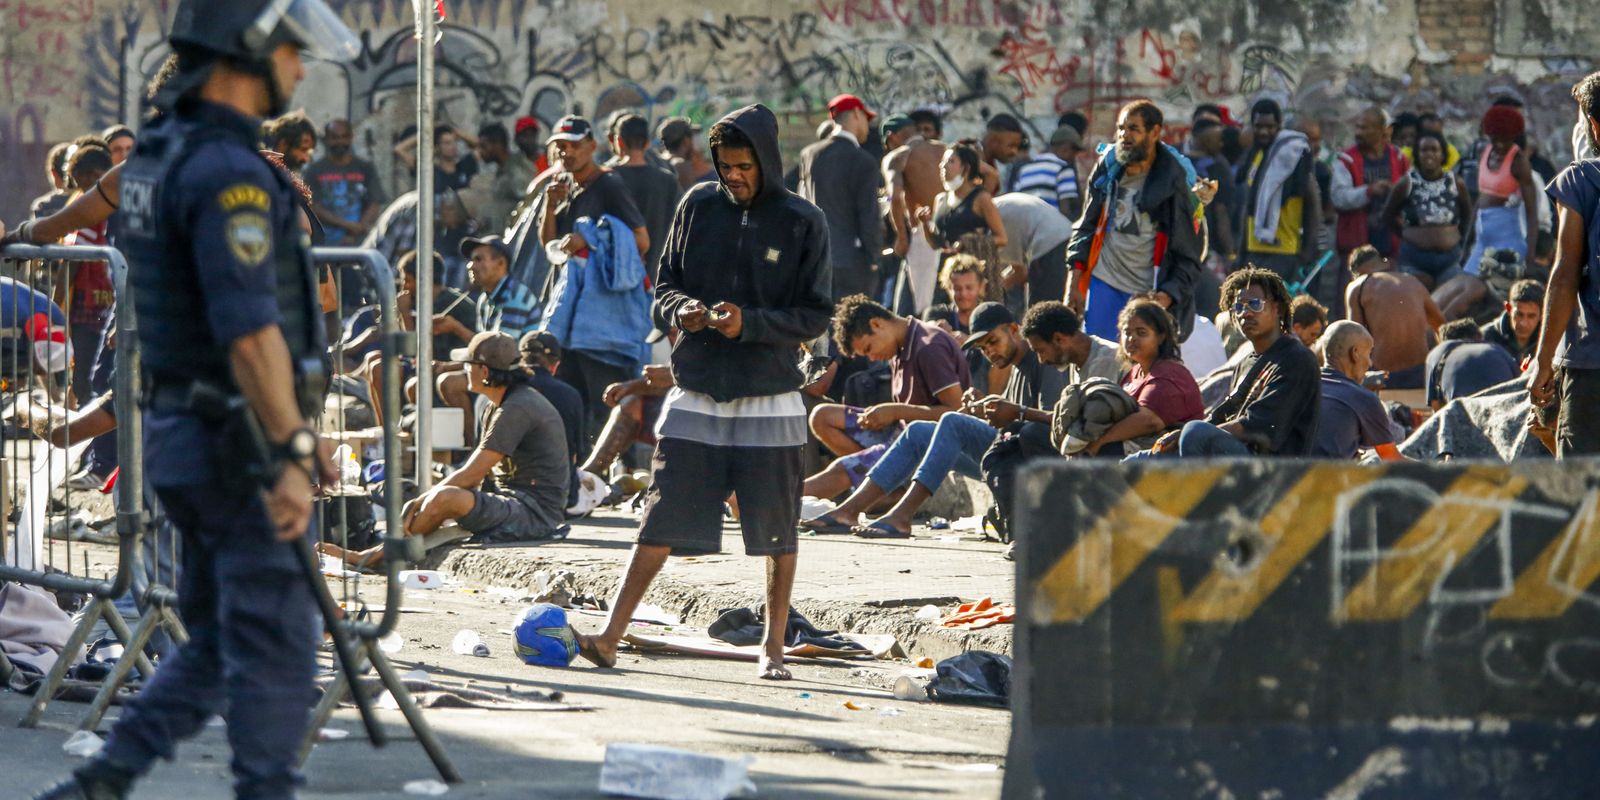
848	102
525	123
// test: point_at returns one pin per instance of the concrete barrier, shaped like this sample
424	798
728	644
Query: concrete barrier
1283	629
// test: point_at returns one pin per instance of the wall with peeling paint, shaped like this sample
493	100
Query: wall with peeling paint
68	66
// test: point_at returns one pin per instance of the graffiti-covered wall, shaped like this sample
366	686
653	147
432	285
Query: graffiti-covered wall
71	66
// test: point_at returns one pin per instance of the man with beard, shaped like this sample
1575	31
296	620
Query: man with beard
293	137
346	195
1137	232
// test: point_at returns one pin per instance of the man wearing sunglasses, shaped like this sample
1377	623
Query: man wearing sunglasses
1275	403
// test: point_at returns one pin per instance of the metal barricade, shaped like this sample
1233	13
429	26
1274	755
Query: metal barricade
397	550
133	523
37	383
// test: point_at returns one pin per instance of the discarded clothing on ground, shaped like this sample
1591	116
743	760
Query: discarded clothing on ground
981	614
976	677
869	646
429	694
33	629
1086	411
747	626
1490	424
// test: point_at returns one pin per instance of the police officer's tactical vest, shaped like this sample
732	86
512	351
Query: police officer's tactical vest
176	344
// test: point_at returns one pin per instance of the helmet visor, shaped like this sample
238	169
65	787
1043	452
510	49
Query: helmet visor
312	25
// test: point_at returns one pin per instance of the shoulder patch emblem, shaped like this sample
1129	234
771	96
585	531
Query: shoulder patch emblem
244	195
249	238
773	254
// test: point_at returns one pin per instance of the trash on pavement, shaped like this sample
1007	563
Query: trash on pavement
559	589
391	643
913	685
925	663
427	788
981	614
976	677
421	578
747	626
664	773
855	706
655	614
930	613
83	744
469	643
332	734
889	712
951	767
544	638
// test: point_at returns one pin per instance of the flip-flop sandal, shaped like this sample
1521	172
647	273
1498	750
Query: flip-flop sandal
879	530
824	525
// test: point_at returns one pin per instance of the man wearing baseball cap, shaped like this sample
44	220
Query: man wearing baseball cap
680	140
842	180
926	452
525	134
513	488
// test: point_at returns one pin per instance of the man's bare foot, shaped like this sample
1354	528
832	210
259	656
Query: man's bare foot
831	522
597	651
771	668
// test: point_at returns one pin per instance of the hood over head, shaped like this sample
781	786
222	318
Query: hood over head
760	126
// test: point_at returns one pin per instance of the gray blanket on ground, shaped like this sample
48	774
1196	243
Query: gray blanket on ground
1492	424
33	629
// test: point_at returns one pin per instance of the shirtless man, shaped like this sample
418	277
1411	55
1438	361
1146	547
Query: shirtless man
1399	312
911	172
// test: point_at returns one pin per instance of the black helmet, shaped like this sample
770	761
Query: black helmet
248	30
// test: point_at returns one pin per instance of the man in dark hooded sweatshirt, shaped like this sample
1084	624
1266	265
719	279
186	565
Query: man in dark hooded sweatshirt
745	278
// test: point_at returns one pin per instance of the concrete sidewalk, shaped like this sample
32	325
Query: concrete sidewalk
854	585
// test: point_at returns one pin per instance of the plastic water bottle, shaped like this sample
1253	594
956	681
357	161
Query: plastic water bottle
469	643
349	465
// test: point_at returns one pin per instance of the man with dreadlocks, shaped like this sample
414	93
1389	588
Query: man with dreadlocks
1273	407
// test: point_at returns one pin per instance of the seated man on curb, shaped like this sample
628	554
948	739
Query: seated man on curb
929	377
541	357
1274	405
1353	418
504	305
928	451
513	488
635	409
1056	337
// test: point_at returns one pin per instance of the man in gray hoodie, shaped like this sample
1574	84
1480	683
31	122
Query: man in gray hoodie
745	278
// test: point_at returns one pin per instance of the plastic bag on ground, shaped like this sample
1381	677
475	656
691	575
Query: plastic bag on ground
665	773
976	677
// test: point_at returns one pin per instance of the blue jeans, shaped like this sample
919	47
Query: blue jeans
1500	227
1200	439
1101	309
928	451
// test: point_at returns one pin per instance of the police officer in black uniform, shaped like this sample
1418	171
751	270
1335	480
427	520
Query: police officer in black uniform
228	327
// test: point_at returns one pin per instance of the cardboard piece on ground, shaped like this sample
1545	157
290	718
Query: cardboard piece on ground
715	648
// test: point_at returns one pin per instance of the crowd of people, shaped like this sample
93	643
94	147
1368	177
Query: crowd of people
897	308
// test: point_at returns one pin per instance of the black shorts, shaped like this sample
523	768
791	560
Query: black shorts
507	517
1577	426
690	482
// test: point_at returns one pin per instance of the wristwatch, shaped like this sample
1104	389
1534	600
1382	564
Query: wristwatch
300	447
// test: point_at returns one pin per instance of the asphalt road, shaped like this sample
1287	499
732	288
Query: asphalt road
803	740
